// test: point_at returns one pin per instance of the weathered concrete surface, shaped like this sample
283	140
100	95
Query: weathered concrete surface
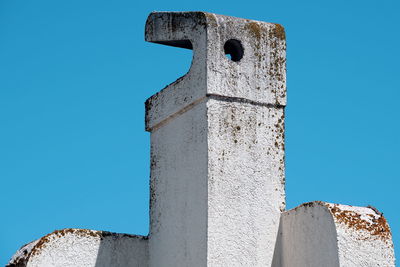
79	247
217	168
325	234
217	151
259	76
245	182
217	143
178	193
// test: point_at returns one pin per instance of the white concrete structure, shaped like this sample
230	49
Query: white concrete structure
79	247
217	175
324	234
217	168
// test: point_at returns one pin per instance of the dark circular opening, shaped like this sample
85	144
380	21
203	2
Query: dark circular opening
233	50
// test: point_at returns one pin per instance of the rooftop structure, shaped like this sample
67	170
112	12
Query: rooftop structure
218	168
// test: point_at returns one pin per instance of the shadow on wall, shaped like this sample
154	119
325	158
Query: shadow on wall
122	250
277	258
307	236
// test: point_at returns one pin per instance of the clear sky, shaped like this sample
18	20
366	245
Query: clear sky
74	76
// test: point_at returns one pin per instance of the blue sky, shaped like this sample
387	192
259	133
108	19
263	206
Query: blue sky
74	76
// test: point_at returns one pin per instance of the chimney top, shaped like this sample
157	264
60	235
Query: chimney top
232	57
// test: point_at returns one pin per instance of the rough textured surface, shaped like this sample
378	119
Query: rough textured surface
178	200
246	191
217	142
21	257
260	76
80	247
217	150
324	234
364	237
217	168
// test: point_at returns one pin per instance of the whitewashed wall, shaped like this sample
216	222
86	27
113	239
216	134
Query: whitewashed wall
79	247
218	168
217	172
324	234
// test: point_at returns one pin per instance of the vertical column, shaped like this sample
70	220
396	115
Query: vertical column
217	142
177	120
245	182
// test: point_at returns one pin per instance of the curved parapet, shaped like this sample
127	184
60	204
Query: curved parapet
80	247
325	234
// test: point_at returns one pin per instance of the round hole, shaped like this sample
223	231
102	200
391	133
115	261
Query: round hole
233	50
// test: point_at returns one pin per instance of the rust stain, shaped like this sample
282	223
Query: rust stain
279	32
42	243
277	62
60	233
376	226
254	28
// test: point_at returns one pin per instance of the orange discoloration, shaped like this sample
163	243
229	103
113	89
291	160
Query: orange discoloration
376	225
279	32
44	241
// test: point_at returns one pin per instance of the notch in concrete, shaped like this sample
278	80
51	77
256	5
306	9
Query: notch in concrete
217	142
232	57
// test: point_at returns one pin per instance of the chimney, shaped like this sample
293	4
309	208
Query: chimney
217	142
218	168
